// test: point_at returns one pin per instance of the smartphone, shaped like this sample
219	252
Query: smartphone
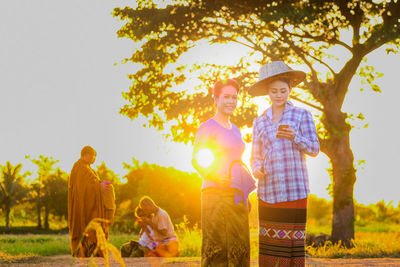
283	126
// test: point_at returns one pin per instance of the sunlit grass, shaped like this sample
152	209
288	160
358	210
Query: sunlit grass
17	248
189	239
9	258
366	245
103	245
43	245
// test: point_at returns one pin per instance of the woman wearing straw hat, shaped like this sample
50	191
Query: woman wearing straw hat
217	154
282	136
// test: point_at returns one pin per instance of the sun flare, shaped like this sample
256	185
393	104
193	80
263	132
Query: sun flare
204	157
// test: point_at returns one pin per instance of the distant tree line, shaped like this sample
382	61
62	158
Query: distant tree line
45	197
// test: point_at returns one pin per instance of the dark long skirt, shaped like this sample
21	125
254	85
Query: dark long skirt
225	229
282	233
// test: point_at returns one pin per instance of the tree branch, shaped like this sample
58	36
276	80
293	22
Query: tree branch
381	36
321	38
325	64
301	54
241	34
355	19
306	103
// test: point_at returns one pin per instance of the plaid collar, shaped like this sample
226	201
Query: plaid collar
267	115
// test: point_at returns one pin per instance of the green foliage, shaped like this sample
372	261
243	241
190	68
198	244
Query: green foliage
175	191
376	218
300	32
55	197
41	194
105	174
319	209
12	188
189	239
380	212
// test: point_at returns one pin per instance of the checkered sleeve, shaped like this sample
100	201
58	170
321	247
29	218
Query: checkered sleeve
256	159
306	138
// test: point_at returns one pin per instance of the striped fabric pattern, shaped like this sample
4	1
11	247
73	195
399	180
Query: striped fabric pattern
282	233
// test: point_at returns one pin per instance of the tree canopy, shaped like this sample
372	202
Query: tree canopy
13	190
299	32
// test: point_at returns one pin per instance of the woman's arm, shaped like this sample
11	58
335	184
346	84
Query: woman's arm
306	139
204	140
256	159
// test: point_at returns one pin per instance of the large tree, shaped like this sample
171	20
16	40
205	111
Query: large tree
40	194
13	189
55	195
329	38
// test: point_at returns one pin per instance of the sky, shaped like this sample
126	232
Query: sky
61	80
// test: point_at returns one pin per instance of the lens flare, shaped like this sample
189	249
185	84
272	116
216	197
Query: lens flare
204	157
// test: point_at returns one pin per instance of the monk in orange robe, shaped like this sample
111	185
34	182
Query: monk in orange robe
85	202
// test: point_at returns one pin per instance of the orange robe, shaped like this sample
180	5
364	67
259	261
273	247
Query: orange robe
85	202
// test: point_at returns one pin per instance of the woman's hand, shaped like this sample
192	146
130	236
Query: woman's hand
286	133
258	174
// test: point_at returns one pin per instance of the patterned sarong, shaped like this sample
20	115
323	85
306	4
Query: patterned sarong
282	233
225	229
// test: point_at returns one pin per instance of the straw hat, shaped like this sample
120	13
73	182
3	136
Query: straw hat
273	70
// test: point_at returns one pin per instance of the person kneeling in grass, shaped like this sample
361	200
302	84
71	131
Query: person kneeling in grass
146	242
161	224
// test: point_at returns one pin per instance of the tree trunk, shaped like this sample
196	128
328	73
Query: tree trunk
7	219
39	224
343	175
46	217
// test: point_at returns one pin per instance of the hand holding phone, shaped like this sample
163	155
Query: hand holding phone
283	126
281	129
285	131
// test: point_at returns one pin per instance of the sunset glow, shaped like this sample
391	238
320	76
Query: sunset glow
205	157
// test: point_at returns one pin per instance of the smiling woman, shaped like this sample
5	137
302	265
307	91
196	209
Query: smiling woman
225	190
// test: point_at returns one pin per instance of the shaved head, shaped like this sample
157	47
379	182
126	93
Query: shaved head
88	150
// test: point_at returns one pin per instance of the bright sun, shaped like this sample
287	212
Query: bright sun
204	157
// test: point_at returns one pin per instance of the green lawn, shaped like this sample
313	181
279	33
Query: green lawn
46	245
383	241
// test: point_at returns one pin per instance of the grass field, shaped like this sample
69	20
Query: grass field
366	245
377	236
46	245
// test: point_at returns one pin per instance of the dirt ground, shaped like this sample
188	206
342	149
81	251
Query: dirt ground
65	261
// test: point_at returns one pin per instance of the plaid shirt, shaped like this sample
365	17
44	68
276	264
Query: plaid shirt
282	160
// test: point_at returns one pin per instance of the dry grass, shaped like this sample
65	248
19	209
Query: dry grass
366	245
102	244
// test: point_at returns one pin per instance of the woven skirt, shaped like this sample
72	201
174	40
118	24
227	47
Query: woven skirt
282	233
225	229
